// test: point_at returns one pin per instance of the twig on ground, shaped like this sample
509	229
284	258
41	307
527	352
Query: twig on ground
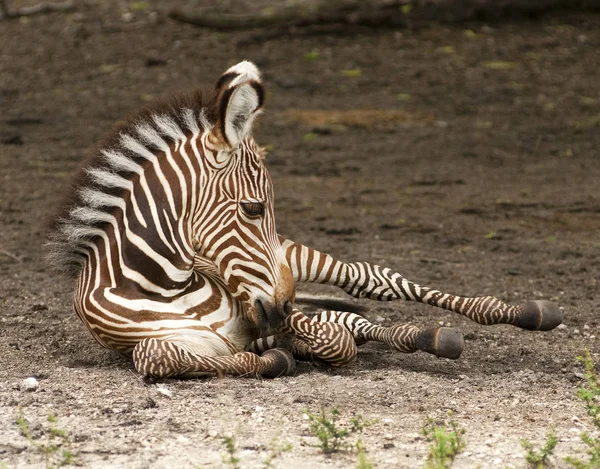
38	8
11	255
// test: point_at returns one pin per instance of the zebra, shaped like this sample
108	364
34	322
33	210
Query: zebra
170	236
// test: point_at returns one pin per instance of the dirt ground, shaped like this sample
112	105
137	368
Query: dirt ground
470	164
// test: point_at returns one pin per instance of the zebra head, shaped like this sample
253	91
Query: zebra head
237	224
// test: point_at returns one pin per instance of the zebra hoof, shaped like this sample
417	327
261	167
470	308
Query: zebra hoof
442	342
279	362
540	315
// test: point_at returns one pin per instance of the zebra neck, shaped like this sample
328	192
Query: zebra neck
156	232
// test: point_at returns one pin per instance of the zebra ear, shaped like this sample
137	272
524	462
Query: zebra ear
240	98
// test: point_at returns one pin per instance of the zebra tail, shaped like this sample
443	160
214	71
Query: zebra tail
330	303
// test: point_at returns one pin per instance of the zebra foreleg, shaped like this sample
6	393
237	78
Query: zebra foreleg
364	280
159	358
371	281
330	342
442	341
309	339
300	349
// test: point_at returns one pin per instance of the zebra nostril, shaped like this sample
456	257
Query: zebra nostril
287	308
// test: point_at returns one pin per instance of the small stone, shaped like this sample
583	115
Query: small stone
29	385
164	391
586	327
576	331
388	445
561	326
388	436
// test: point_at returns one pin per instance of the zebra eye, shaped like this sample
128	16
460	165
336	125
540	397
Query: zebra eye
253	209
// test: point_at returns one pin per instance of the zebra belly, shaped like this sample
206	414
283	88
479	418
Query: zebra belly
204	320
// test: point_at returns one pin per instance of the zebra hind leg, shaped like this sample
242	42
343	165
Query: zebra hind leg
159	358
441	341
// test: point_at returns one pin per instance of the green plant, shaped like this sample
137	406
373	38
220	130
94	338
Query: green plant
275	450
589	393
353	72
536	458
54	447
445	442
331	436
309	137
231	456
362	462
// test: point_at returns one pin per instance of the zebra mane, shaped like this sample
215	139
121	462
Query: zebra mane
77	222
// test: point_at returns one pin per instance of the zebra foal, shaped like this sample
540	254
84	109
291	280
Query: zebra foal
170	235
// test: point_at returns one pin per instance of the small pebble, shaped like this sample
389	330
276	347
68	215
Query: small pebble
29	385
164	391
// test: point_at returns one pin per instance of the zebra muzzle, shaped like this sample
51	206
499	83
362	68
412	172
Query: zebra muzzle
270	315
